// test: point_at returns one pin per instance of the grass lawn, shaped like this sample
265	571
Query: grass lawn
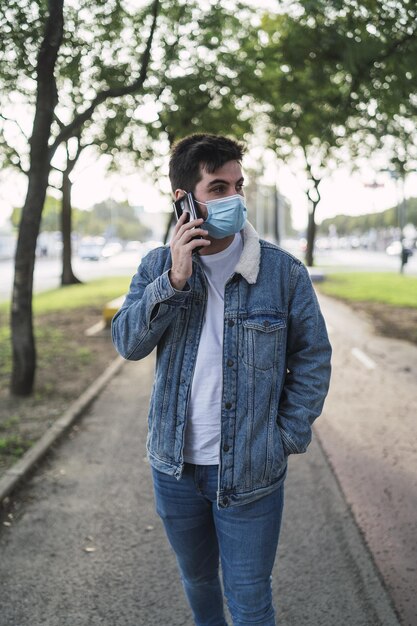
386	288
93	293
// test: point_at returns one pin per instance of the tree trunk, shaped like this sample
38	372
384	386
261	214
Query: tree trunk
23	343
313	195
311	236
68	277
277	210
170	222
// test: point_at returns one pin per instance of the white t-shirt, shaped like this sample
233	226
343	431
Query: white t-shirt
202	435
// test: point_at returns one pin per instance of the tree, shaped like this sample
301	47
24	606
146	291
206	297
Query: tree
43	147
67	276
322	67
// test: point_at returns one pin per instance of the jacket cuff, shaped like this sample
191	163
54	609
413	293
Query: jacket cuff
165	291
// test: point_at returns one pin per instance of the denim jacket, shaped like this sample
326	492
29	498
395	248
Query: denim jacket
275	369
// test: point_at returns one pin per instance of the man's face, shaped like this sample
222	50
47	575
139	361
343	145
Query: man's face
223	182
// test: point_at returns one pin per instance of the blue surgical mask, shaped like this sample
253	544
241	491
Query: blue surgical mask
226	216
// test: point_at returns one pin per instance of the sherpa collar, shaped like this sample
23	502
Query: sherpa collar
248	265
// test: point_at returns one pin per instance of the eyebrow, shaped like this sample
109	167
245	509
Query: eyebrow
216	181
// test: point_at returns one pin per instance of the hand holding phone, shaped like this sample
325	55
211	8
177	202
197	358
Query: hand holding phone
187	204
183	242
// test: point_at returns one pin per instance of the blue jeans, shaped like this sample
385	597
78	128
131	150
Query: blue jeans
245	537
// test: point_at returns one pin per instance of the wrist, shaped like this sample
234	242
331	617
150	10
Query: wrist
177	283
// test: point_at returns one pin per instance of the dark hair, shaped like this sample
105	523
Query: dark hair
208	151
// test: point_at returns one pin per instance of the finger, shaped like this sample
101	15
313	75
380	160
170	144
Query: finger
199	243
195	223
190	225
180	222
188	235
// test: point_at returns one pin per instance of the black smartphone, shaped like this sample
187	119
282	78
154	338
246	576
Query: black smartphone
187	204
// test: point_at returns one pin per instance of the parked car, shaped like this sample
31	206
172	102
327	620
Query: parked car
91	248
111	248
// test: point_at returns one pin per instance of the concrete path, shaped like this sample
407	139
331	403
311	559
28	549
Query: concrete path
82	545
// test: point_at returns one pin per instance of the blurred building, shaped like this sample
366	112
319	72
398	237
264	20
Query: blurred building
268	211
155	221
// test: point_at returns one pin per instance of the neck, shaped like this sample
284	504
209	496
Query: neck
217	245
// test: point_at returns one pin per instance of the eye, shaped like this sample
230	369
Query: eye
239	187
219	189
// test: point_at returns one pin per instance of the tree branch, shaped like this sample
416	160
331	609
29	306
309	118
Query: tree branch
116	92
13	154
57	169
7	119
58	121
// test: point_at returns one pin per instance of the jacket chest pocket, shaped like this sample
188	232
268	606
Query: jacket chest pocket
263	339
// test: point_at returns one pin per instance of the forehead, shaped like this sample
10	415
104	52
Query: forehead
230	172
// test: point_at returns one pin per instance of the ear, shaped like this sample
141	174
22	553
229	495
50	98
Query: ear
179	193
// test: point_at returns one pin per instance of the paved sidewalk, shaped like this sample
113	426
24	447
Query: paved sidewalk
84	546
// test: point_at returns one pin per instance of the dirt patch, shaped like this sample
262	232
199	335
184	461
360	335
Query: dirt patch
68	362
389	321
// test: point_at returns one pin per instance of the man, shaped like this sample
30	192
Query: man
242	370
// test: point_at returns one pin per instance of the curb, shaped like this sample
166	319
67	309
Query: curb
111	308
317	276
24	466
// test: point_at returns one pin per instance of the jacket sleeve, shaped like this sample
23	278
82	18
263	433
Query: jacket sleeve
149	308
308	365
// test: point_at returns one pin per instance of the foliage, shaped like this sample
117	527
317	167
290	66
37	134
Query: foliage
393	289
325	71
91	63
192	81
348	224
196	85
111	218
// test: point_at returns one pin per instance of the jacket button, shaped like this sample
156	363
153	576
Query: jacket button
228	405
226	448
225	501
231	323
266	323
230	362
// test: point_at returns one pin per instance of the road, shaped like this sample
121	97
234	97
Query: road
351	260
48	271
84	546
